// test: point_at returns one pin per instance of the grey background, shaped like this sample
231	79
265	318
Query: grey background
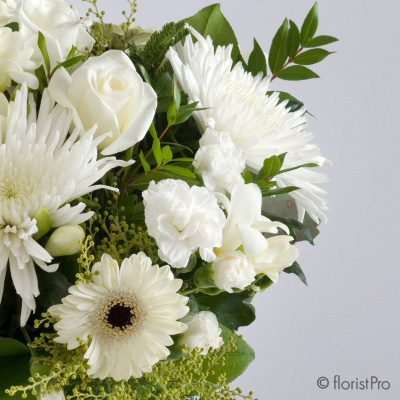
347	321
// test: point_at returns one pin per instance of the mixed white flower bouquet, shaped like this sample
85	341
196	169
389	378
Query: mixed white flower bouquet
151	184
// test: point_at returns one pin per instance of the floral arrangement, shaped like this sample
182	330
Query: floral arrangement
151	184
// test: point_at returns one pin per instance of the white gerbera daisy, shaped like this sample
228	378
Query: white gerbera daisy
129	314
40	169
238	103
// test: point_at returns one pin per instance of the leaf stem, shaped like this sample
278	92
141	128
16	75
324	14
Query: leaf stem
287	63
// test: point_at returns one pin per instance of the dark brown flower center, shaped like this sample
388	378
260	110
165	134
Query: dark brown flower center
120	316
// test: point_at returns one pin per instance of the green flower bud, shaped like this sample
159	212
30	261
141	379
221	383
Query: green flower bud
203	278
65	241
43	223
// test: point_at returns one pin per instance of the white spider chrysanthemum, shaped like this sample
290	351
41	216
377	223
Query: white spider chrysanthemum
238	103
41	169
129	313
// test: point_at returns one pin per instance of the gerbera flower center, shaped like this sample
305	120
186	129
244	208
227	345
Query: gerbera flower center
119	316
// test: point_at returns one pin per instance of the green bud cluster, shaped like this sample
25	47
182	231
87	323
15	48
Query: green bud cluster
191	375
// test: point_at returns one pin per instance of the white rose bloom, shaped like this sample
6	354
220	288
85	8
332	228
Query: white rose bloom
246	226
15	60
183	219
203	332
8	11
65	241
107	91
233	270
60	24
219	161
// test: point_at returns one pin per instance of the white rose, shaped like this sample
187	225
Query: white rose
8	12
233	270
246	226
65	241
183	219
59	23
15	60
107	91
219	161
203	332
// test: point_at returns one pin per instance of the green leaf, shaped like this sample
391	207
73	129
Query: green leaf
69	63
271	166
144	162
171	114
308	165
275	192
152	131
247	176
163	84
211	22
232	309
144	74
142	183
157	151
321	41
293	104
236	362
177	94
278	51
310	25
14	26
265	185
297	73
295	269
14	367
40	73
186	112
43	50
53	287
311	56
180	171
257	61
293	40
166	154
202	278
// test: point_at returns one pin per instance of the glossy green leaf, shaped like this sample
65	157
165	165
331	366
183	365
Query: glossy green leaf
308	165
40	73
166	154
278	51
202	278
171	114
14	26
144	162
157	151
232	309
153	131
297	73
180	171
236	362
292	103
43	50
293	40
295	269
14	367
311	56
211	22
247	176
275	192
257	61
271	166
176	94
321	41
310	25
162	85
69	63
144	74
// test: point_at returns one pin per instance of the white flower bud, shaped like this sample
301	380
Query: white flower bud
203	331
233	270
65	241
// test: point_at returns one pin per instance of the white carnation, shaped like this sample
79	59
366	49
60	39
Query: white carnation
203	331
233	270
219	161
183	219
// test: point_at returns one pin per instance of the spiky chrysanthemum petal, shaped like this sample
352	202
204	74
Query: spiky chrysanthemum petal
239	104
40	168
